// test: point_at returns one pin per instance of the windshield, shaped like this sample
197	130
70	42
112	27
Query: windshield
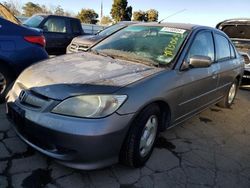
111	29
34	21
144	44
237	31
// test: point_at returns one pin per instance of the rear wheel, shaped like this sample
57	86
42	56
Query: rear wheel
141	138
227	101
6	79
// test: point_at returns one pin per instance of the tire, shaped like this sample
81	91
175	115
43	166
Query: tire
6	79
138	145
227	101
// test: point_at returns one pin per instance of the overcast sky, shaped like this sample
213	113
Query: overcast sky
208	12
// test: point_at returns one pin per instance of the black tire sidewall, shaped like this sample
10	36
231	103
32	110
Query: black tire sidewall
9	79
139	126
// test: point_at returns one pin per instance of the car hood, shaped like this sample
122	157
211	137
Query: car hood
6	14
82	73
87	40
239	32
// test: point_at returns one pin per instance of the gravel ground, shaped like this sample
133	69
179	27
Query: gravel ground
210	150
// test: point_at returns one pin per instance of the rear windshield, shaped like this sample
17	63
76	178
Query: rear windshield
34	21
237	31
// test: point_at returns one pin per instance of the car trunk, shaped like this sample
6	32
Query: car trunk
239	32
6	14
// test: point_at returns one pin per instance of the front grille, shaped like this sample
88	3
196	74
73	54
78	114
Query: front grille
34	100
74	47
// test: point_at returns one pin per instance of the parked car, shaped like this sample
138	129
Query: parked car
83	43
239	32
90	110
92	29
22	18
19	48
58	31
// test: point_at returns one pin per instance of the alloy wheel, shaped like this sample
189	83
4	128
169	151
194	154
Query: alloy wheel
232	93
148	135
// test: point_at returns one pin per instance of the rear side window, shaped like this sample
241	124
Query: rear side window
203	45
75	26
222	48
57	25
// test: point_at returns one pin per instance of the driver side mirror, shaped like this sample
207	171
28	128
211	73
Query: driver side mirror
200	61
197	61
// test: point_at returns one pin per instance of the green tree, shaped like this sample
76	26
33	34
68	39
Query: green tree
105	20
129	14
30	8
152	15
59	11
88	16
13	7
139	16
120	11
46	10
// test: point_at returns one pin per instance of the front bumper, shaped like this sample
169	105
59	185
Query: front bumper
247	73
75	142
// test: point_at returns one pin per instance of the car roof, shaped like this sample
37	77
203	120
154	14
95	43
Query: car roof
54	15
128	22
185	26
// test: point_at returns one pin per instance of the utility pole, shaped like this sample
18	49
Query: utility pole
101	15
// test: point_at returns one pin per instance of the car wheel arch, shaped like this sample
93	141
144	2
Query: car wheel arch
238	78
165	110
163	124
7	65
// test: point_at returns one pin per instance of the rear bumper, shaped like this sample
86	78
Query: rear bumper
75	142
23	59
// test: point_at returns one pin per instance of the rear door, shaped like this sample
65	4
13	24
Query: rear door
226	59
76	28
56	33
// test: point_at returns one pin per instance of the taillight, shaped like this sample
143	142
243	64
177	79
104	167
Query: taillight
36	40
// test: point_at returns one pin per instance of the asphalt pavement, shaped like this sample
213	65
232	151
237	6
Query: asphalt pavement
211	149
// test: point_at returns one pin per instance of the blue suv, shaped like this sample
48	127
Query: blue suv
19	48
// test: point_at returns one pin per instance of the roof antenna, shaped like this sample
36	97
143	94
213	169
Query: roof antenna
178	12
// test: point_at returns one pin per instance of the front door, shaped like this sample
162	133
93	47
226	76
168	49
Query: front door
199	85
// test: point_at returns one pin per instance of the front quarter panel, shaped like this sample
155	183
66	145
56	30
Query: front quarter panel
160	87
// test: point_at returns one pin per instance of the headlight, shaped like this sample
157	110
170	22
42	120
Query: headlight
90	106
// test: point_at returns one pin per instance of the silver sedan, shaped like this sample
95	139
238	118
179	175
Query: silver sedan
92	109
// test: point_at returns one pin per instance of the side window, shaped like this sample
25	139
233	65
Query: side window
55	25
232	51
222	48
75	26
202	45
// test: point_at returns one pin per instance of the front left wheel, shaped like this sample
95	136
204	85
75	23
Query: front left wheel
139	143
